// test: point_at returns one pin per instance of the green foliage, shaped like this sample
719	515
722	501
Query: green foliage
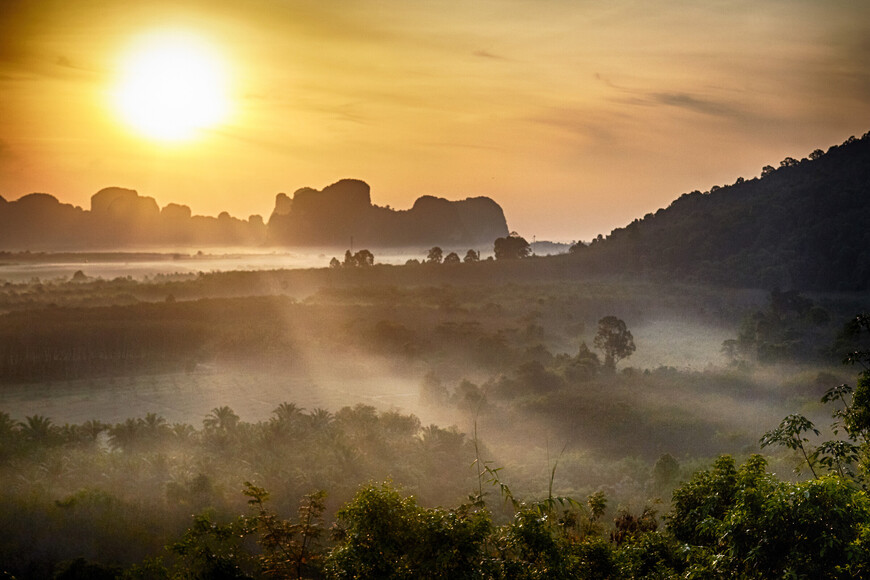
856	334
143	488
744	522
791	328
289	549
652	555
161	470
850	414
210	549
383	535
614	340
791	434
800	225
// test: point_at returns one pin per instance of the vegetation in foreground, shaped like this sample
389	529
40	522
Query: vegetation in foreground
114	496
726	521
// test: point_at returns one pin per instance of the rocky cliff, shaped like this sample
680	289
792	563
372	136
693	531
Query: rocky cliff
122	218
344	210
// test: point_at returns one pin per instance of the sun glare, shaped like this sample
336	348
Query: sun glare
172	87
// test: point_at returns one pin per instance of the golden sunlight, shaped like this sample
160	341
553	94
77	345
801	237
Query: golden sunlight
171	87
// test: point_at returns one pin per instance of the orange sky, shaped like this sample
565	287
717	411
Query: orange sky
575	116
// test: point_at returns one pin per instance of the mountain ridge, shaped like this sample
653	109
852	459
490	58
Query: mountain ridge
121	218
800	225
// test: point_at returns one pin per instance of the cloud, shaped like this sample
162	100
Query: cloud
489	55
846	65
695	104
688	101
594	127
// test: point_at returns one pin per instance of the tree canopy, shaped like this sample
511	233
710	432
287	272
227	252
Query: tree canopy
614	340
512	247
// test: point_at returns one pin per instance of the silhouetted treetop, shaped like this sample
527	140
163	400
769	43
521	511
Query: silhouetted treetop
614	340
512	247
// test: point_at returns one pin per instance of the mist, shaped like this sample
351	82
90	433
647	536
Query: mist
409	373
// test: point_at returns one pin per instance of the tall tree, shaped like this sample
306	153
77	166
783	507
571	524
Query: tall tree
513	247
614	340
452	258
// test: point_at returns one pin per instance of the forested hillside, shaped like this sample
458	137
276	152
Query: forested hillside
802	225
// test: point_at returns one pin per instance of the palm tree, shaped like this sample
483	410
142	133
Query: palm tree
92	428
7	425
320	419
154	422
123	435
222	418
287	412
154	427
183	432
37	428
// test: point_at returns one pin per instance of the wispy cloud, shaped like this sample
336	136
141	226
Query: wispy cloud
689	101
695	104
489	55
597	127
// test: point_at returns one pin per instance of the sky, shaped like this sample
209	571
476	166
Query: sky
575	116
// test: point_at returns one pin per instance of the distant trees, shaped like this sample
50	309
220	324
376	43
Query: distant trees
789	329
221	419
452	258
37	428
512	247
584	366
578	246
614	340
850	447
436	256
362	258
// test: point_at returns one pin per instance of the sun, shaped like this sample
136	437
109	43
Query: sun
171	87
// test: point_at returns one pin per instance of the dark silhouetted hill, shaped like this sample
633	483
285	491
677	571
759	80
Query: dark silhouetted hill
118	218
121	218
344	209
40	221
803	225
